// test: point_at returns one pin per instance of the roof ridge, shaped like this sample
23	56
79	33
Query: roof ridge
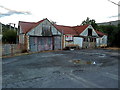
37	23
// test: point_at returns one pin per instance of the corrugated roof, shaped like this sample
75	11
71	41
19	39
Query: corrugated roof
100	33
80	29
27	26
73	30
66	29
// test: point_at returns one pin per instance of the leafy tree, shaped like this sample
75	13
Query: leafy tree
9	36
91	22
113	33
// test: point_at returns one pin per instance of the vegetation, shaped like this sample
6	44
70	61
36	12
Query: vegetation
112	31
9	36
91	22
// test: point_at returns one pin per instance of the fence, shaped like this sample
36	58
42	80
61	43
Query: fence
11	49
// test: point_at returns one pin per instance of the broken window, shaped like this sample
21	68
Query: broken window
89	32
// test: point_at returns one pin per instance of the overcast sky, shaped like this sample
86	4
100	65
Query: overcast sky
64	12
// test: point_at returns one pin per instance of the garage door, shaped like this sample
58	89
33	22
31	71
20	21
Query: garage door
57	42
40	43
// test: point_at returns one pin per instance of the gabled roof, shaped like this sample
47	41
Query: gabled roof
27	26
66	29
75	30
72	30
80	29
100	33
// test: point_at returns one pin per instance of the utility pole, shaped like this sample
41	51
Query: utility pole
0	28
0	31
113	2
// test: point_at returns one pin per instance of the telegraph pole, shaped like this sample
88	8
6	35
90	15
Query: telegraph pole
114	3
0	31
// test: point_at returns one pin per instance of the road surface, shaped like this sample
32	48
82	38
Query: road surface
86	68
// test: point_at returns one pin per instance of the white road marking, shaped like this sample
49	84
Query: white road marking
84	82
112	76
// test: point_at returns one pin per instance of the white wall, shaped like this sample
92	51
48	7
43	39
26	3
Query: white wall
98	42
102	41
85	32
78	41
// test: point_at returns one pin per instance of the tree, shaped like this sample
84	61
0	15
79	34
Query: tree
9	36
113	33
91	22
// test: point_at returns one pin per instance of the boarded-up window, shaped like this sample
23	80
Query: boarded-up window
46	30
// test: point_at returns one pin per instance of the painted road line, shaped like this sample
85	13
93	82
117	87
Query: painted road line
77	81
84	82
112	76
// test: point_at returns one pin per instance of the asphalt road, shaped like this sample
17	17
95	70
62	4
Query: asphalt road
90	68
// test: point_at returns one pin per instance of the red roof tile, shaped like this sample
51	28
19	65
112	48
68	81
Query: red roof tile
80	29
75	30
27	26
66	29
100	33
